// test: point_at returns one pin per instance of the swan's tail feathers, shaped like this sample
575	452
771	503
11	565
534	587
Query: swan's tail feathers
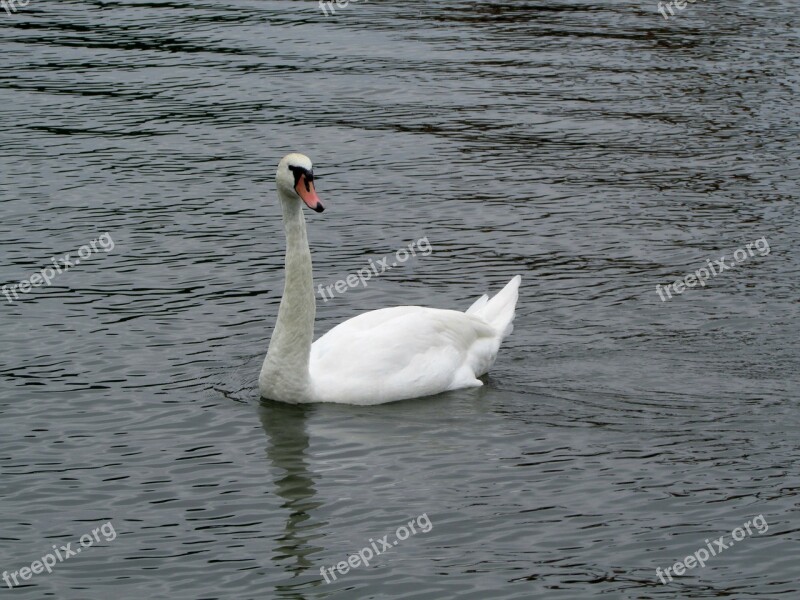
499	310
478	304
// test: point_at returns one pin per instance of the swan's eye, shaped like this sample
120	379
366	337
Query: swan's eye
306	174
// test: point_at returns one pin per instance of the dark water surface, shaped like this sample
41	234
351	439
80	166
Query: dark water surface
594	148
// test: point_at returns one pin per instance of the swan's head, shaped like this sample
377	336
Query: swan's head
295	178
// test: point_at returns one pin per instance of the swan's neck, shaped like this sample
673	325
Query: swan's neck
284	375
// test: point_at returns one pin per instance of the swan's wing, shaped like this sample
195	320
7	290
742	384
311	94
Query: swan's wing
401	352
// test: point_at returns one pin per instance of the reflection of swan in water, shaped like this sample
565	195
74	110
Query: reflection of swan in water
288	442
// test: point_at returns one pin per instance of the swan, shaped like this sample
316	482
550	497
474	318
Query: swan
378	356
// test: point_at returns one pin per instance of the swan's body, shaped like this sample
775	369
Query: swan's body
378	356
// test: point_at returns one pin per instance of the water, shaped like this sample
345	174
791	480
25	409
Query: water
595	149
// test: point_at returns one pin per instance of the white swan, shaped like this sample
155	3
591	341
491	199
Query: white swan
379	356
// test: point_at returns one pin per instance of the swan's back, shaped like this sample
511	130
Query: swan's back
410	351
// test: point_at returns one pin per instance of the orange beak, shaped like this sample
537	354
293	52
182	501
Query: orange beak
305	189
